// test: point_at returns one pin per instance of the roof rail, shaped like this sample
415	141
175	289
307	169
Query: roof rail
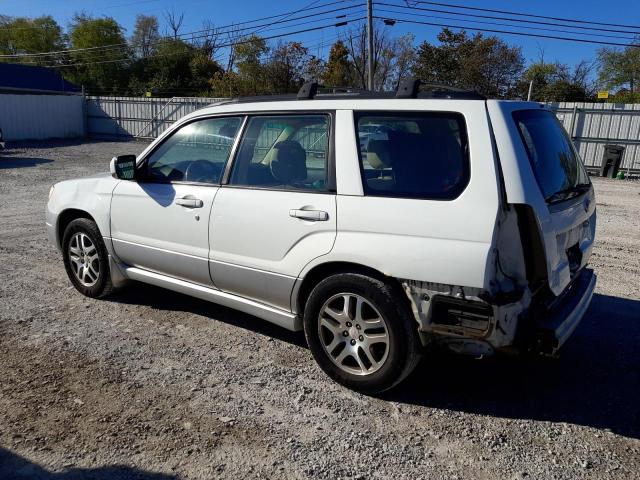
311	90
410	88
308	91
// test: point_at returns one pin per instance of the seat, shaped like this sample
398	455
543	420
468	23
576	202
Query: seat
289	164
379	158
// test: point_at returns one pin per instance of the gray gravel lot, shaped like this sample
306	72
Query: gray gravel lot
152	384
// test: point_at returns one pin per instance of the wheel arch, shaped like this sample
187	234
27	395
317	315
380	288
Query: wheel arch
66	217
319	272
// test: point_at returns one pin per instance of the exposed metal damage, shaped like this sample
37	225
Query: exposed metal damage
471	320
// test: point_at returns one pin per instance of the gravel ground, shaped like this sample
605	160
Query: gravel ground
155	385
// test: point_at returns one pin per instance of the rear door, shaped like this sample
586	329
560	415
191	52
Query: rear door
161	222
543	170
277	210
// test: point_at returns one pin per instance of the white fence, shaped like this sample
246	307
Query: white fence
139	116
594	125
37	117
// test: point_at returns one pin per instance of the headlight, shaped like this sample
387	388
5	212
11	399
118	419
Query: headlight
51	191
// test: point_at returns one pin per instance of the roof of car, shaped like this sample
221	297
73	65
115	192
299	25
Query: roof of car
411	95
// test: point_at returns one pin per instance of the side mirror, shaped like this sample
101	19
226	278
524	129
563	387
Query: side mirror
123	167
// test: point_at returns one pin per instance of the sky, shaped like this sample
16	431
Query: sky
225	12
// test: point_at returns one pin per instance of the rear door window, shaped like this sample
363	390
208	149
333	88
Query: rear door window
554	160
283	152
414	155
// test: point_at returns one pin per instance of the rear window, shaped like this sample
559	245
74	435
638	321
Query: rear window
554	160
414	155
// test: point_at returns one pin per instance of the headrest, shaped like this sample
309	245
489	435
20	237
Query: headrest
289	163
378	154
227	130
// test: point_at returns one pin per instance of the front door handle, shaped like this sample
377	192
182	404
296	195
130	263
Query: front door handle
313	215
190	202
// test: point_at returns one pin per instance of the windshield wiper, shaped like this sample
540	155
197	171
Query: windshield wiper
567	193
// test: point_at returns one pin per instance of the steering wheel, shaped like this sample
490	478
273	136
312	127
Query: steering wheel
202	171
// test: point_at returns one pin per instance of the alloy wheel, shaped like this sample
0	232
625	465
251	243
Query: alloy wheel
353	333
84	260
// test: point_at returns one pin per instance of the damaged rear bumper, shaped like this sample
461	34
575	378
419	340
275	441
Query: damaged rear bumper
469	322
555	324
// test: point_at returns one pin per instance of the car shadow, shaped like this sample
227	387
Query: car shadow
22	162
15	467
161	299
595	382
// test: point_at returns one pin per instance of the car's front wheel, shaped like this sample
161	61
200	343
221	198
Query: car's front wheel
360	333
85	258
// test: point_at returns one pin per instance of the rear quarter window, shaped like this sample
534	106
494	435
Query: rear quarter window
413	155
553	158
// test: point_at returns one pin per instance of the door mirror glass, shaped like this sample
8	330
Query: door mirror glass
124	167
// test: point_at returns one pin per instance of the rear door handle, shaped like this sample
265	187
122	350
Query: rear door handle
313	215
190	202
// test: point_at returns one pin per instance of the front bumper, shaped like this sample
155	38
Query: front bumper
51	220
557	321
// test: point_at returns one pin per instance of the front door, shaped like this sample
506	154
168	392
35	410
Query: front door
278	210
161	222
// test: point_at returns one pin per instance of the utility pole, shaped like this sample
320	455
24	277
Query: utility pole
530	91
370	43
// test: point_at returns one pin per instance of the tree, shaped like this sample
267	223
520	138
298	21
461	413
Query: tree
145	35
557	82
247	75
175	21
100	69
177	69
314	70
338	70
357	45
208	41
26	35
286	68
485	64
620	68
396	59
404	57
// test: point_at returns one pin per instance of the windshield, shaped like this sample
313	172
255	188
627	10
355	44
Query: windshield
554	160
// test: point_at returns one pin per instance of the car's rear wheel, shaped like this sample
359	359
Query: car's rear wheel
85	258
360	333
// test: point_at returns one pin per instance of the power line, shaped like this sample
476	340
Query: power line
124	90
223	26
6	27
500	24
536	35
339	24
521	14
207	33
54	63
492	17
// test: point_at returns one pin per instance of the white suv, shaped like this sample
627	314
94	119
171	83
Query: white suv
377	223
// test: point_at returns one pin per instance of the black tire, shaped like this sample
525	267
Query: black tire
404	347
102	286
